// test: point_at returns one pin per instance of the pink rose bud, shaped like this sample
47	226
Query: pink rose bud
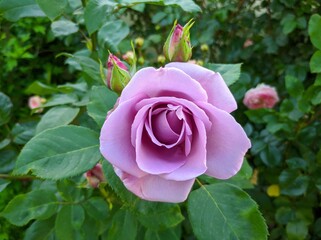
177	47
95	176
247	43
117	74
36	102
263	96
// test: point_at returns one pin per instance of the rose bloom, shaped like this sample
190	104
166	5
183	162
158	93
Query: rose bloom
170	126
263	96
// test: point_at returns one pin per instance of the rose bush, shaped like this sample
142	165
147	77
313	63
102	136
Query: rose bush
171	125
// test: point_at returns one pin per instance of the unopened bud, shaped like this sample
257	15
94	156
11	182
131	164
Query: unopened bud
129	57
35	102
141	60
273	190
139	42
204	47
95	176
117	74
178	46
161	59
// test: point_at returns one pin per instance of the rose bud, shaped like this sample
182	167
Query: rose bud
129	57
161	59
263	96
95	176
178	46
139	42
117	74
35	102
204	47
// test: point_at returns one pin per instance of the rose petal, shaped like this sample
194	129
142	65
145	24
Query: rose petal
174	163
115	138
218	93
155	188
163	82
227	144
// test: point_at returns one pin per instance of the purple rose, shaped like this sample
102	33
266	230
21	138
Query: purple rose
170	126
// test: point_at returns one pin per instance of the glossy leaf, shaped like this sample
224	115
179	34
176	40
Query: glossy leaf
101	101
314	30
223	211
23	132
97	208
38	204
5	108
315	62
57	116
230	72
60	153
13	10
52	8
112	33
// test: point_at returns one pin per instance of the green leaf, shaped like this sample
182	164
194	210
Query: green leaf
315	62
314	30
38	204
123	219
5	108
292	183
186	5
223	211
96	13
101	101
167	234
89	67
41	230
59	153
57	116
40	88
8	158
289	23
296	230
61	99
23	132
63	28
13	10
230	72
52	8
97	208
112	33
294	86
158	216
69	222
3	184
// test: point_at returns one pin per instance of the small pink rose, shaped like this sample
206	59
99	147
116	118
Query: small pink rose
263	96
95	176
172	125
36	102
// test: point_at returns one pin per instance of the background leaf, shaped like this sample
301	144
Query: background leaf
112	33
314	30
52	8
13	10
230	72
5	108
66	151
223	211
41	230
63	28
123	219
